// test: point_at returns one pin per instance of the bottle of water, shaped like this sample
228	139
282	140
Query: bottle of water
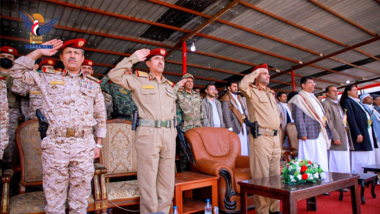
216	210
208	207
175	211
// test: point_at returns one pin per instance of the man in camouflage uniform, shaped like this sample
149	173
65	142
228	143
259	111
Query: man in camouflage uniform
35	96
155	98
123	104
73	105
189	104
4	116
7	57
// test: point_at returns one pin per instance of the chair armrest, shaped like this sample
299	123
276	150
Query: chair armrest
100	169
101	189
211	167
242	162
6	179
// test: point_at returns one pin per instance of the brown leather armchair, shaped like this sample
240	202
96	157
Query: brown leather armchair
217	152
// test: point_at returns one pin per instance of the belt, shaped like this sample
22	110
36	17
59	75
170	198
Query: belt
268	132
155	123
79	132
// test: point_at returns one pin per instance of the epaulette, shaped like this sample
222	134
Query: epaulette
170	83
51	71
141	74
93	78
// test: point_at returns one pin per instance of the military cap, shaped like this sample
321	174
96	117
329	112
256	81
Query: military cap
74	43
88	62
9	50
260	66
188	75
158	51
47	62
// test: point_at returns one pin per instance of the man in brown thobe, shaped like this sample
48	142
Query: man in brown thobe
265	150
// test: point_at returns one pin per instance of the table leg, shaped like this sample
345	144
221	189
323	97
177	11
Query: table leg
289	204
374	182
340	195
214	192
311	204
355	199
362	191
243	200
178	200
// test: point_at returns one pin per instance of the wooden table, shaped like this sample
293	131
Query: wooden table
364	178
273	187
188	181
372	168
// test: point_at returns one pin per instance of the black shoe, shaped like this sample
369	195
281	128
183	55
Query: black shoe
278	212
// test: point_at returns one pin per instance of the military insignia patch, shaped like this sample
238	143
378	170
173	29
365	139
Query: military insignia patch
50	62
162	52
170	83
123	91
80	43
148	86
10	50
170	91
141	73
35	92
57	82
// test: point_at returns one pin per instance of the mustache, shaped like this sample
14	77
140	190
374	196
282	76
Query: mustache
72	59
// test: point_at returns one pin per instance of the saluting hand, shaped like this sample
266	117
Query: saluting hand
182	82
57	43
142	54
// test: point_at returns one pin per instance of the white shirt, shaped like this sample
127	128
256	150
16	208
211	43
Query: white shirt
238	102
286	106
215	114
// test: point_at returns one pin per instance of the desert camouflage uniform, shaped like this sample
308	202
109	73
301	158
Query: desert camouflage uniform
14	116
4	118
73	105
190	106
123	104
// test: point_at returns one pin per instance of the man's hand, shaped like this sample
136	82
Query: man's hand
142	54
57	43
304	138
182	82
359	139
337	142
97	152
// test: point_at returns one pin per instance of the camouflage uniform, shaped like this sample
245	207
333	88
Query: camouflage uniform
14	115
190	106
73	105
109	104
123	104
4	117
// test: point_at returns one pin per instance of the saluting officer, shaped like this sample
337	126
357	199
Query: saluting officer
155	98
73	104
265	150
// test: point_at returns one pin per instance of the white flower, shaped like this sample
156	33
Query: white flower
323	176
292	178
299	176
316	175
309	176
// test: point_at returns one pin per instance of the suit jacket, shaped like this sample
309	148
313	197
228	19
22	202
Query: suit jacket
306	126
335	123
207	113
375	125
358	123
230	119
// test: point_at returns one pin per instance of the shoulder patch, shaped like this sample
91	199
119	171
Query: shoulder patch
170	83
93	78
141	74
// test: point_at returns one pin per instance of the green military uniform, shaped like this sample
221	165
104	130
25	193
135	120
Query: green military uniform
123	104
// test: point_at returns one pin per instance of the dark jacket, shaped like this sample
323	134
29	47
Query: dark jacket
358	123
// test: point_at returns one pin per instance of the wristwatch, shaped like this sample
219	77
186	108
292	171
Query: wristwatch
99	145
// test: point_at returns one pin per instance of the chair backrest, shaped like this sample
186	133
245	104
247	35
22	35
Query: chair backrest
29	147
216	144
118	154
291	132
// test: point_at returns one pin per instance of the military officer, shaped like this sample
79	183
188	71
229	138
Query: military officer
189	103
86	67
7	56
155	98
123	104
4	116
265	150
73	105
